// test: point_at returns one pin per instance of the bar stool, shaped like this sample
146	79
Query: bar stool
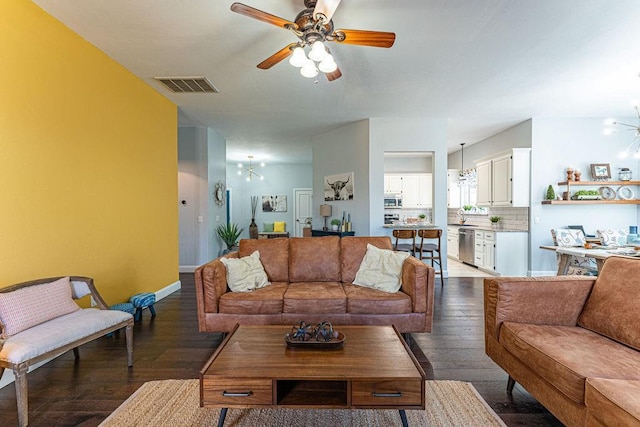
404	235
431	248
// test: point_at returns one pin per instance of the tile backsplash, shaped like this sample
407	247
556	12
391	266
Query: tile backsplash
512	218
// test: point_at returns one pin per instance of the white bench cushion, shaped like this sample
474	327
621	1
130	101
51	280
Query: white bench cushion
59	332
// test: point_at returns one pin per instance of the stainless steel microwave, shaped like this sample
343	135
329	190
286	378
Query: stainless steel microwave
393	202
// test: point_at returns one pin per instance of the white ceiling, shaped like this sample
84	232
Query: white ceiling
485	65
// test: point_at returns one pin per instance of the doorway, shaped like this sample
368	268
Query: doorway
302	208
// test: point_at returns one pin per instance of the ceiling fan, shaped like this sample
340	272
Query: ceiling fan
314	26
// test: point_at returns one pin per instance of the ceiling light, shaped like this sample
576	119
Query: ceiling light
636	138
309	69
318	51
298	59
328	65
249	170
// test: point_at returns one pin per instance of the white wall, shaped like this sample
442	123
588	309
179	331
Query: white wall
200	151
345	149
278	179
557	144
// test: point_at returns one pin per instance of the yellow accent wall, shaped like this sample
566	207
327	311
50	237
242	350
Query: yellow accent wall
88	162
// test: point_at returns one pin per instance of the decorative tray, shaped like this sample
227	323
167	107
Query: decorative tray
313	344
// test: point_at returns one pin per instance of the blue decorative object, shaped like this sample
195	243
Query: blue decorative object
141	301
127	307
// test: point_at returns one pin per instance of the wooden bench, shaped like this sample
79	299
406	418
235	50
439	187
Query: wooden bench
38	322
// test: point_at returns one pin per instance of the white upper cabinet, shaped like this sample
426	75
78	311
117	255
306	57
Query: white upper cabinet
416	188
504	178
392	184
453	189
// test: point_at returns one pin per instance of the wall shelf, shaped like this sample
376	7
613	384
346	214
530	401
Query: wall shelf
569	184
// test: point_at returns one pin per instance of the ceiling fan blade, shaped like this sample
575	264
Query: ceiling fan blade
326	8
334	75
277	57
254	13
365	38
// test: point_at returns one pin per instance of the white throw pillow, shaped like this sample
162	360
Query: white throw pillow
381	269
30	306
245	274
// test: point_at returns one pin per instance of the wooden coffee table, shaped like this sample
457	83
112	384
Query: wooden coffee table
254	368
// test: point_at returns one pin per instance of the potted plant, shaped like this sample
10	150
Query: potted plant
495	221
229	234
335	223
422	217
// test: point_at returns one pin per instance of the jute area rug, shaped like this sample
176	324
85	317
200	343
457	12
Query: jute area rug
177	403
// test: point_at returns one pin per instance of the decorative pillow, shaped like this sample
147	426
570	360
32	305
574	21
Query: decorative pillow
267	227
245	274
611	237
279	227
381	269
30	306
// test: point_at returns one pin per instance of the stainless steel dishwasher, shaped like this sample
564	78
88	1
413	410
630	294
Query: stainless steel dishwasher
466	245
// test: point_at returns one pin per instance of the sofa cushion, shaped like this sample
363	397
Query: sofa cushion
315	297
612	306
58	332
245	274
32	305
274	254
381	269
613	402
361	300
314	259
267	300
352	250
566	355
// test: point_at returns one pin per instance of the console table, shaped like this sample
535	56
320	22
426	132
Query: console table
321	233
272	234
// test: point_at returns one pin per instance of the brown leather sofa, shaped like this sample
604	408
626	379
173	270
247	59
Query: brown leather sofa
573	342
311	279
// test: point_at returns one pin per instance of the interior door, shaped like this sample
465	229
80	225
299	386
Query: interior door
303	208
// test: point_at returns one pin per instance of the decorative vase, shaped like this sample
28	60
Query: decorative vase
334	227
253	229
495	225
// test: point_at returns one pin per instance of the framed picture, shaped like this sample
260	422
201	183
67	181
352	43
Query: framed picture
274	203
600	171
338	187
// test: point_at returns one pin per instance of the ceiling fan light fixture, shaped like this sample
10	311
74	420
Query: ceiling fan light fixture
328	65
309	70
298	58
318	51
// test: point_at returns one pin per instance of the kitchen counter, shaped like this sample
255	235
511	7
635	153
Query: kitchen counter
485	228
413	225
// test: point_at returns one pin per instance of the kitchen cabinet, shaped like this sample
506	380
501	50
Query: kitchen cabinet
454	195
504	178
502	253
392	184
452	242
417	190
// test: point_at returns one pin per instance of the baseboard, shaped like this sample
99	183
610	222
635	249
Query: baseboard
8	377
187	268
542	273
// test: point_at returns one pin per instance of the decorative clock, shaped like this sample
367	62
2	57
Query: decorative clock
218	193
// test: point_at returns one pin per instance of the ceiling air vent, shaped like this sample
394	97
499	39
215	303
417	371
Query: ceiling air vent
188	84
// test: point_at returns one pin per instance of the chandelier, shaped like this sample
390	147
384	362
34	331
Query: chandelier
636	138
467	177
249	170
315	29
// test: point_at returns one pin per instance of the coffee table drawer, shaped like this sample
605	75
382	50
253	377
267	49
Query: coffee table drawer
236	392
386	393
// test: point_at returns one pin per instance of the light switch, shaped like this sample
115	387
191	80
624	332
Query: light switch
200	219
536	220
217	218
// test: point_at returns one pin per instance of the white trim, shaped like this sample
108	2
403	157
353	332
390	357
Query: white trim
542	273
8	377
187	268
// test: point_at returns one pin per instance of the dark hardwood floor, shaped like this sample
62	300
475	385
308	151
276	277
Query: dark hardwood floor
66	392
